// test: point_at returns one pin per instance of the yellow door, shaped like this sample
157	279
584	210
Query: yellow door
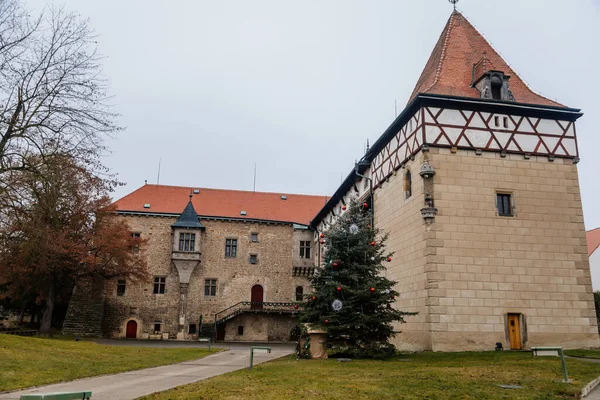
514	331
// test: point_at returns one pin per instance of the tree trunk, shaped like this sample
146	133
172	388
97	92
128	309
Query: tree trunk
47	317
22	313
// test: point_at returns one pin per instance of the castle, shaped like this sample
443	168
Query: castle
475	182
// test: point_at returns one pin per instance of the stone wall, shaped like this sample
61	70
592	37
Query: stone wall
86	309
276	250
260	328
485	265
401	218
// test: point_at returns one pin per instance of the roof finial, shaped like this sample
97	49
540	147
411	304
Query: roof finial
454	3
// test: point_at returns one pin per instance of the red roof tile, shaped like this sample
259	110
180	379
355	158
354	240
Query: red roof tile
593	240
297	208
450	67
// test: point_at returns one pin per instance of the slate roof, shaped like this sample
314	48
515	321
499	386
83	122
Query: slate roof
163	199
449	70
593	240
188	218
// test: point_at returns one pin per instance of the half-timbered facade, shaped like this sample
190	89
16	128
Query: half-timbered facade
476	183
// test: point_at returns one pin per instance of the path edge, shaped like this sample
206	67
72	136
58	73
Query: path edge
589	387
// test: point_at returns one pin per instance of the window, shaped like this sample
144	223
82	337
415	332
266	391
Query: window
504	204
407	185
210	287
505	122
159	284
121	287
497	121
254	237
192	329
253	258
305	249
230	247
157	327
137	237
299	293
496	88
187	241
240	330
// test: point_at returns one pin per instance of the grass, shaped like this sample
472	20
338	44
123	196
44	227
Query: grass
27	361
594	353
426	376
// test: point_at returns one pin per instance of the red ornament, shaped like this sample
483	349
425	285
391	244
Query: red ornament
372	289
322	235
322	242
373	243
393	297
313	298
335	264
389	259
344	208
365	205
326	321
295	306
339	288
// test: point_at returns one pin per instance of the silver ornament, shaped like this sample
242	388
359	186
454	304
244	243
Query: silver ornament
353	229
337	305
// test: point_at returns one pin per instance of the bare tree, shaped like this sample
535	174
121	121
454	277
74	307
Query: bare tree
53	98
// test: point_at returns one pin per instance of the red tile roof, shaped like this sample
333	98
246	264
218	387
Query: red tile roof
450	66
593	240
297	208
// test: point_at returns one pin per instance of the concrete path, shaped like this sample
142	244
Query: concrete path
134	384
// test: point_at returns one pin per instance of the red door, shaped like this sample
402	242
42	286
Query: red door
131	330
256	297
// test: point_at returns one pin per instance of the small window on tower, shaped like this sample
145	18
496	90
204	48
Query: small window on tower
253	259
240	330
407	185
505	122
121	284
254	237
299	293
304	249
504	204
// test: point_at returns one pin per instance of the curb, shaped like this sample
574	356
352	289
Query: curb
589	387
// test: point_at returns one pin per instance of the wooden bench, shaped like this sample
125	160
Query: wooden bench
205	340
57	396
252	348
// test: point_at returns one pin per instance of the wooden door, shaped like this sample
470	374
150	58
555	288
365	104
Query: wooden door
256	297
221	332
514	331
131	330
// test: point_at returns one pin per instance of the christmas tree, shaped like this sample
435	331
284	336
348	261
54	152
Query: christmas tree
352	299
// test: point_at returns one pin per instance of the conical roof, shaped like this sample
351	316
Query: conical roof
188	218
449	70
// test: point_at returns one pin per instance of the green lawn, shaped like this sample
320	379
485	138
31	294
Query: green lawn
426	376
28	361
594	353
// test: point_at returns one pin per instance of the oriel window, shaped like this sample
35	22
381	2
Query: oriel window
187	241
230	247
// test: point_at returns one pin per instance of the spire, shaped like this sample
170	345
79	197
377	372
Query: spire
450	68
188	218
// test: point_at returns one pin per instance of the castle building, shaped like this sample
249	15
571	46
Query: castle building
476	183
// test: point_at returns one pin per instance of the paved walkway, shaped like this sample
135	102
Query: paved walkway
134	384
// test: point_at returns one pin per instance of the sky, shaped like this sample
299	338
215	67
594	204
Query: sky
210	88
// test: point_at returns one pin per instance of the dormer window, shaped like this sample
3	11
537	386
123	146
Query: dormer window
496	82
187	241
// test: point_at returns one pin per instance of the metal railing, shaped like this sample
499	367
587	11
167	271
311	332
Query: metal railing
257	307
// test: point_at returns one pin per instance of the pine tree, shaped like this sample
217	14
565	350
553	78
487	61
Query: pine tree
352	299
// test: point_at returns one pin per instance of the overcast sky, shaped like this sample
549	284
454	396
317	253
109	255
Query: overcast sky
211	87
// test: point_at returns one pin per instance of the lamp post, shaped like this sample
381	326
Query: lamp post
365	163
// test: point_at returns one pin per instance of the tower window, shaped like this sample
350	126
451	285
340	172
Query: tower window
230	247
304	249
240	330
254	237
210	287
160	283
407	185
121	284
253	258
504	204
299	293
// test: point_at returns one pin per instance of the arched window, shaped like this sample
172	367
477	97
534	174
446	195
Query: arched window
496	87
407	185
299	293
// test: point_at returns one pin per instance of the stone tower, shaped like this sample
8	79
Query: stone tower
476	182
